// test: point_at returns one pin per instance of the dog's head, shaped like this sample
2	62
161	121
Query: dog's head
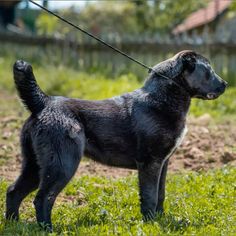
193	72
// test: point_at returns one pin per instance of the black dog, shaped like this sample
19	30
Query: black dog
138	130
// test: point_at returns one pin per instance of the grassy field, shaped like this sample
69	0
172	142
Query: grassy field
197	203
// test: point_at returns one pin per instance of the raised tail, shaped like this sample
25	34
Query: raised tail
30	93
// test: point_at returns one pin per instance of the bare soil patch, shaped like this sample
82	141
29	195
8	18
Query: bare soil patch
206	145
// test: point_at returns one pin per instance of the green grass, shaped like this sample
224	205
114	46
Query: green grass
196	204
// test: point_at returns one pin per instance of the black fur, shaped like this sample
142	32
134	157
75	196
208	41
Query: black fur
137	130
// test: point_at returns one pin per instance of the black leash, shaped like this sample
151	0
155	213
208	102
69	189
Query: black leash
98	39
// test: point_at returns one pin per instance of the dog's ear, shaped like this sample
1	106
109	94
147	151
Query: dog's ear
173	67
188	59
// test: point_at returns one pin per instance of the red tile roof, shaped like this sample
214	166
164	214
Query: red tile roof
203	16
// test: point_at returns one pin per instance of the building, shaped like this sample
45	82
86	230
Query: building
214	23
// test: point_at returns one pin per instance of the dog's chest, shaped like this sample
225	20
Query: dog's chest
178	141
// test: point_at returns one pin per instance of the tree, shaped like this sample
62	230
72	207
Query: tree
122	18
169	13
143	16
111	19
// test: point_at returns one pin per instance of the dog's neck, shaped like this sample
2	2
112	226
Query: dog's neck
163	89
154	80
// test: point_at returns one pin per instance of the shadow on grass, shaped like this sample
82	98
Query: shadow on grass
167	223
20	228
170	222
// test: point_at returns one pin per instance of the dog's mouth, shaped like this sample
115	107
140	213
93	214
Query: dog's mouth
208	96
211	96
216	93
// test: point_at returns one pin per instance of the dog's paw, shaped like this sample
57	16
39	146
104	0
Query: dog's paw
11	216
148	215
46	227
160	211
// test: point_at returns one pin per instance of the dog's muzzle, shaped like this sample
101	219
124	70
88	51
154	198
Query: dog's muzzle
218	91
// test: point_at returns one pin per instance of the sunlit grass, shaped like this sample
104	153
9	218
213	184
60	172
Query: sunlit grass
196	204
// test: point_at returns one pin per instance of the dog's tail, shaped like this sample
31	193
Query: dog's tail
30	93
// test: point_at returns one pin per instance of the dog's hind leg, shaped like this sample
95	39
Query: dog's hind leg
55	175
26	182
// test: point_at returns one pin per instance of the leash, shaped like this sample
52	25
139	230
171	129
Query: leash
98	39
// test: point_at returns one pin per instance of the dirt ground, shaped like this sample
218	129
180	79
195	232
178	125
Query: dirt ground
207	145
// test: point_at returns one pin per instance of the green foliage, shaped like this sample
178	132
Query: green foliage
196	204
142	15
107	15
222	106
121	18
169	13
233	6
71	83
46	24
110	18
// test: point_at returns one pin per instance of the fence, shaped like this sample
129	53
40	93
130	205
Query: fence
90	55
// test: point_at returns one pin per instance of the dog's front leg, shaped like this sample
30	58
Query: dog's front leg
161	191
148	186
